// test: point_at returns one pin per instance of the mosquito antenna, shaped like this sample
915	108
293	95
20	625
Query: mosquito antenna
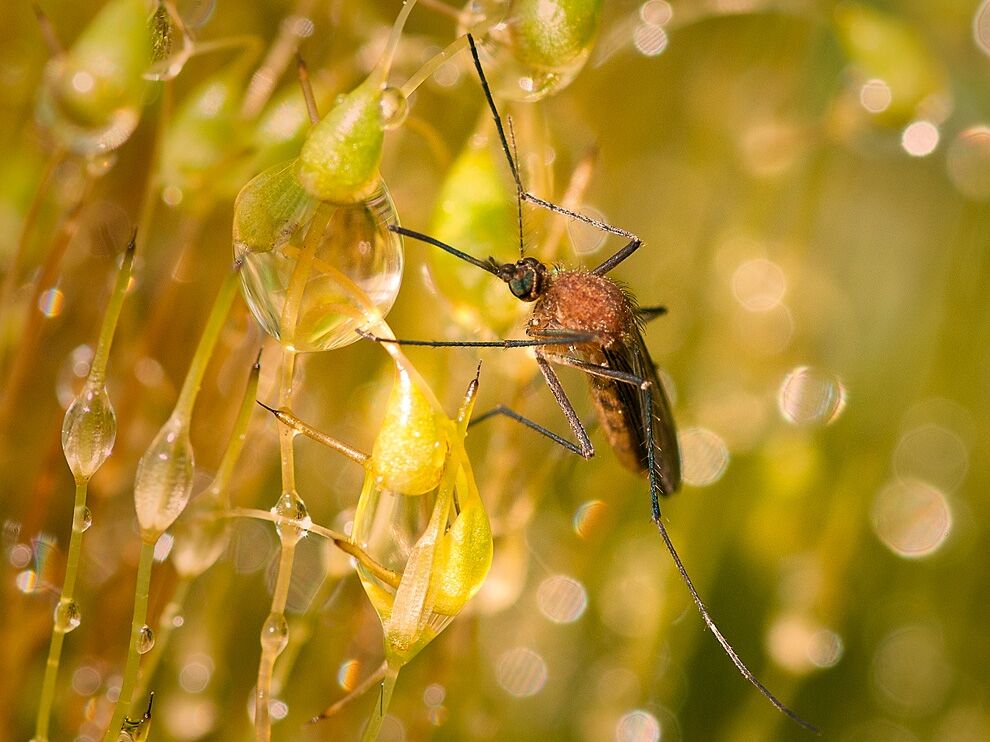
519	193
495	114
705	615
489	267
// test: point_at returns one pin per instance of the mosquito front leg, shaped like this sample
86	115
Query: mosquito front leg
563	338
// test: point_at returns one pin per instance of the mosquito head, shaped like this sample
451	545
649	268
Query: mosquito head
526	278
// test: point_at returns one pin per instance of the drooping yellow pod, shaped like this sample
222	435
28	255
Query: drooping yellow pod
409	452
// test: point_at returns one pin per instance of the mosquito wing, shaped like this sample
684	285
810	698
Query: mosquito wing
633	357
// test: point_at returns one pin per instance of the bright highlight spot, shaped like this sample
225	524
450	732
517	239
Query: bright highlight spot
875	96
808	396
759	284
704	456
920	138
968	161
650	41
656	12
562	599
51	302
912	518
637	726
589	517
932	453
801	645
521	672
348	674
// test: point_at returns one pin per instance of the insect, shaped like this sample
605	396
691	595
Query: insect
584	320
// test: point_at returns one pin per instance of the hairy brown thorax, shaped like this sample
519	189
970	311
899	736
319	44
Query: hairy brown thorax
583	302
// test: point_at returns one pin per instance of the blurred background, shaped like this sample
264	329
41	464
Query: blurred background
812	183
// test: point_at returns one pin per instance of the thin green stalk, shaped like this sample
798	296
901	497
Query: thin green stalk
381	708
164	634
97	374
67	598
133	656
208	340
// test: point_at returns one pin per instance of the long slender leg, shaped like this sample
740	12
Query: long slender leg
513	415
563	338
656	489
577	427
634	241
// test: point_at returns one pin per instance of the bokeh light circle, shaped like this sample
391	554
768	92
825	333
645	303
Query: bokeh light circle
562	599
704	456
521	672
637	726
912	518
968	162
808	396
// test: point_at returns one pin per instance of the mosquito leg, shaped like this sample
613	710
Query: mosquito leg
577	427
648	314
513	415
524	195
564	338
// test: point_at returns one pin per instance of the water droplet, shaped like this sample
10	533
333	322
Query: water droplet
275	633
67	615
82	519
394	106
273	220
164	478
89	430
291	507
145	640
808	396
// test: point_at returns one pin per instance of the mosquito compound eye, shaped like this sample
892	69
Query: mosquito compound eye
525	285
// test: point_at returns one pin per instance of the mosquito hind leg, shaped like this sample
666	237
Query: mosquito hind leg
532	425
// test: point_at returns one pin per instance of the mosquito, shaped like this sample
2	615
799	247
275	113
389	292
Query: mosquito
584	320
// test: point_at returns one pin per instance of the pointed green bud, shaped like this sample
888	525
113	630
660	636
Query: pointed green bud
551	33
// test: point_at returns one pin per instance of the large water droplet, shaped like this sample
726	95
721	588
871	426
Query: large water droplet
82	519
164	478
145	640
89	430
291	507
275	633
356	259
67	615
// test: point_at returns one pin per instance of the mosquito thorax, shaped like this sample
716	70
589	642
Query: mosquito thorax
526	278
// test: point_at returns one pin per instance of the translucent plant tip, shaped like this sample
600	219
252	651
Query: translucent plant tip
163	482
91	96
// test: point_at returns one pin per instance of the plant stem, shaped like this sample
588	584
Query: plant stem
164	634
58	631
381	708
133	657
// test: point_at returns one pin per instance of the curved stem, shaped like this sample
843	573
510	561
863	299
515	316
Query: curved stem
421	75
381	708
385	64
164	634
98	368
138	621
68	594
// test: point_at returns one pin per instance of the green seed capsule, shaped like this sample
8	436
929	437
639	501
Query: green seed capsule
202	134
339	161
92	95
89	430
163	482
533	48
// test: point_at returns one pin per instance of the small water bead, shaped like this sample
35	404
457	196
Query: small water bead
291	507
808	396
145	640
273	221
67	615
275	633
82	519
394	107
89	431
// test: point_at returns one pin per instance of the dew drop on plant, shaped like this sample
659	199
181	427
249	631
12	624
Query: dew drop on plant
82	519
291	507
67	615
275	633
164	478
394	106
276	225
145	640
89	430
